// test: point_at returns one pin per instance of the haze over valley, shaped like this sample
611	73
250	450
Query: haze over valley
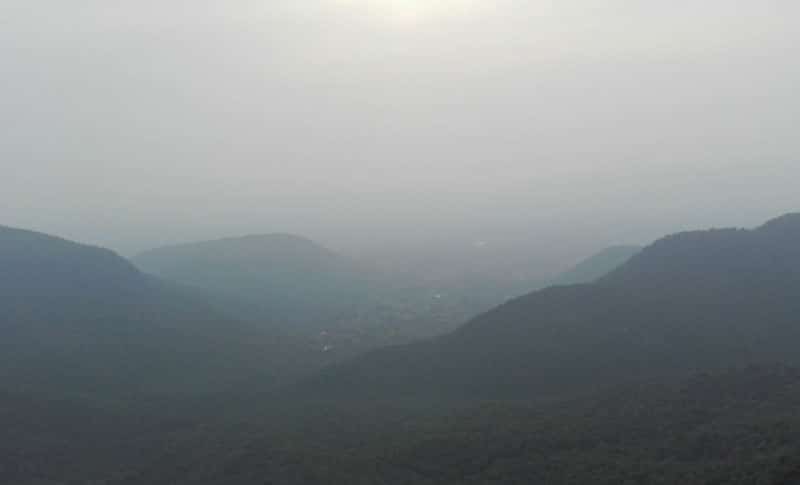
389	242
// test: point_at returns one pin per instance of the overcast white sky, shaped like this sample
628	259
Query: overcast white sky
137	123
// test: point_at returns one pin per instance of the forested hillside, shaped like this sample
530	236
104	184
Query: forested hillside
281	280
81	320
677	367
297	286
692	301
597	266
738	427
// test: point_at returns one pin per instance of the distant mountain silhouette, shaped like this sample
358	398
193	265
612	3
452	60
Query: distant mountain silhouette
597	266
692	301
34	264
282	278
76	318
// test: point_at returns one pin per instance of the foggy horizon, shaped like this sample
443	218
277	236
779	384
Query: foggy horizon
506	268
367	124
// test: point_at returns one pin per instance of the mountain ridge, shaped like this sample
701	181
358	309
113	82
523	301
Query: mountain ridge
287	281
597	265
79	318
695	300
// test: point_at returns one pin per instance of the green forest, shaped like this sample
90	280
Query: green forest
675	367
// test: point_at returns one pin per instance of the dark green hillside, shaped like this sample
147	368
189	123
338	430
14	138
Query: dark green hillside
734	428
597	266
287	280
77	319
35	264
700	300
114	377
298	287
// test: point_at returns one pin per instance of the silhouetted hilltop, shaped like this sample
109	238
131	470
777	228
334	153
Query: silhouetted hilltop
692	301
597	266
786	225
694	258
33	263
76	318
283	250
275	277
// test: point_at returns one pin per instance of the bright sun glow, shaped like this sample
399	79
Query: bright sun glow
413	11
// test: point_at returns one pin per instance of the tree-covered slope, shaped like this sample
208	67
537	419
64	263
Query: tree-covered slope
597	266
283	279
699	300
79	319
737	427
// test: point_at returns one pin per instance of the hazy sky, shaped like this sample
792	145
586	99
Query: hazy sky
137	123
